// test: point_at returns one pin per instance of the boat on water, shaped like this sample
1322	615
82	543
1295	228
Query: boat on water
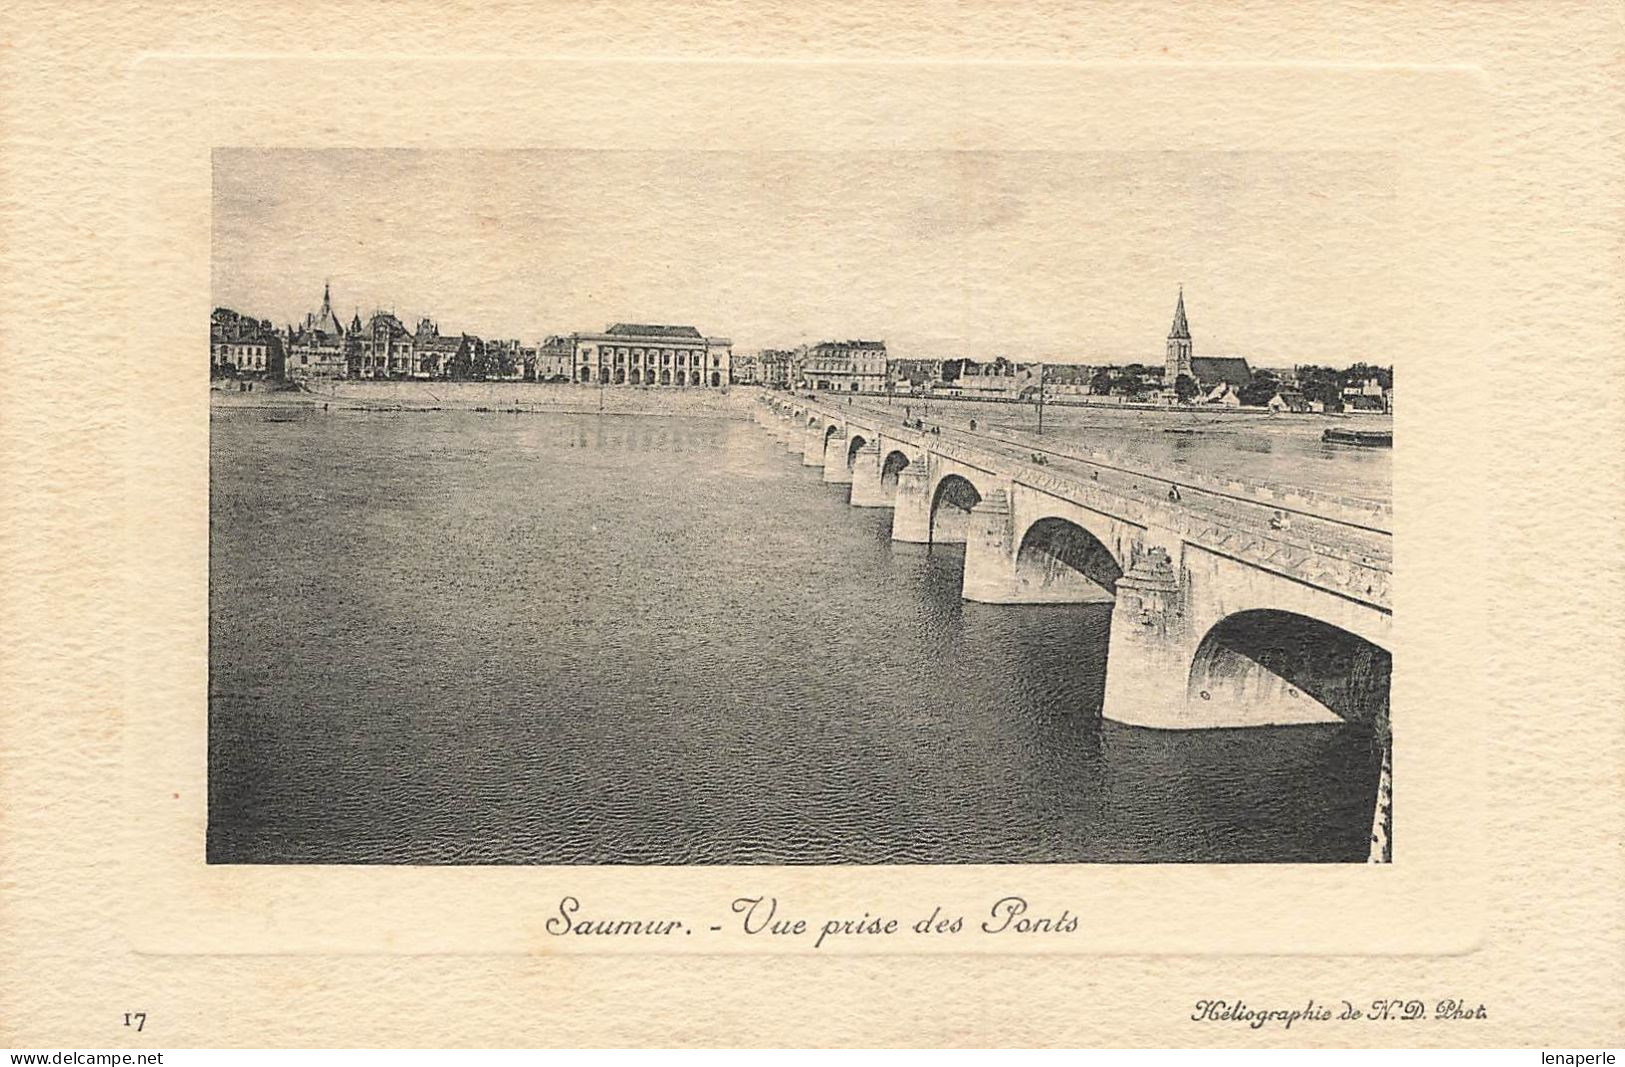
1368	438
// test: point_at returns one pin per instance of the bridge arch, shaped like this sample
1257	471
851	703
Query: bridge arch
951	504
1292	667
830	431
894	463
853	447
1058	552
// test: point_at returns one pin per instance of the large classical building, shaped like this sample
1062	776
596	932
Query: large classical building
638	354
846	366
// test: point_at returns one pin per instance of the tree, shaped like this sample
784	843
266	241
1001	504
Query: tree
461	367
1185	388
1360	373
1101	383
1321	384
1259	391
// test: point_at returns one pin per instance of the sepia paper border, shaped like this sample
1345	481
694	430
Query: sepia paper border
1506	662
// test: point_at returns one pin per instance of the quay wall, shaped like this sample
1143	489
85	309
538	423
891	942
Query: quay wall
522	397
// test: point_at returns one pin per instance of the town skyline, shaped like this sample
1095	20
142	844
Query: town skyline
942	255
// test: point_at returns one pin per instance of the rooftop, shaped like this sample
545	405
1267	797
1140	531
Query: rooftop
1210	370
638	329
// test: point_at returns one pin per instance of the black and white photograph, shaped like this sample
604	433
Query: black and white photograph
811	526
649	508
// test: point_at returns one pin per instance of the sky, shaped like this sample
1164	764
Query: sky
1063	257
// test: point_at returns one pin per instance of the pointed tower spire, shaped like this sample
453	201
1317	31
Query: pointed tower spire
1179	347
1180	331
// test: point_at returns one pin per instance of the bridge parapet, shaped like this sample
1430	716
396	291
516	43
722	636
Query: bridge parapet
1223	614
1368	514
1338	570
1304	504
1330	553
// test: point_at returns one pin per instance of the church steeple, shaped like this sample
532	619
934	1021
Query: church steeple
327	299
1179	345
1180	331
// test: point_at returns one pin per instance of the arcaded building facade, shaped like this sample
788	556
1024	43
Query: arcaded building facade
638	354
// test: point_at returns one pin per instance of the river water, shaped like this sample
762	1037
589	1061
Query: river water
459	637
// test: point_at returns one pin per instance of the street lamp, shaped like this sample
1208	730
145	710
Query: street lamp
1041	369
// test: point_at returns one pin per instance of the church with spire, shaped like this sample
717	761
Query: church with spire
1179	344
1219	379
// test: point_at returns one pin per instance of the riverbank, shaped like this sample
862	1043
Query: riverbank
508	397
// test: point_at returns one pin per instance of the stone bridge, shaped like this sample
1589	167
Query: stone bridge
1235	605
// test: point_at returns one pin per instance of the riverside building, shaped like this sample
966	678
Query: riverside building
778	368
436	353
241	345
317	348
639	354
555	358
846	366
385	348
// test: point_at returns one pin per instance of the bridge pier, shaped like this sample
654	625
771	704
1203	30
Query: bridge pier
995	575
1149	658
790	430
1152	675
867	491
812	446
911	507
835	469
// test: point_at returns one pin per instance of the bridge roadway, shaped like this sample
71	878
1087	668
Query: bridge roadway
1235	604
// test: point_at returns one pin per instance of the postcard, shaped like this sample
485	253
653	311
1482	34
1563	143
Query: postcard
643	532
